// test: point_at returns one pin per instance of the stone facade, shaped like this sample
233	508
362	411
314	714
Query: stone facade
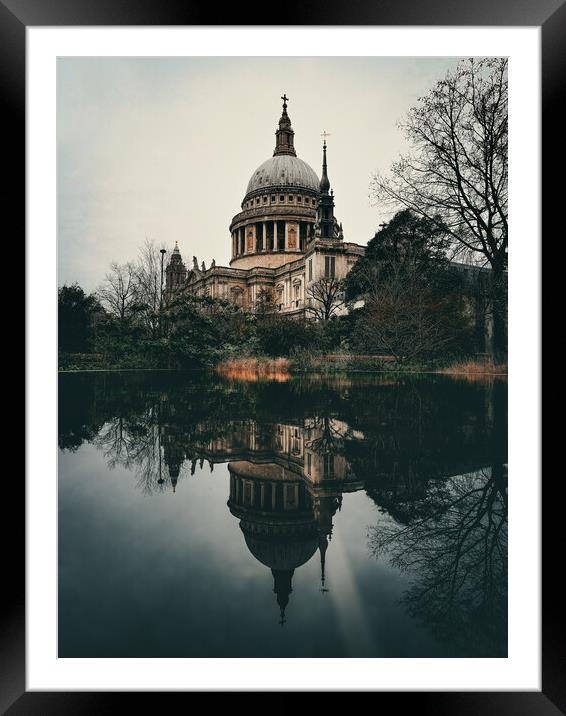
284	238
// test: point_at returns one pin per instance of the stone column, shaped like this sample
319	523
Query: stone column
286	236
275	236
264	237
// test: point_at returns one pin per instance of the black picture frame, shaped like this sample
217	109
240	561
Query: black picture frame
15	17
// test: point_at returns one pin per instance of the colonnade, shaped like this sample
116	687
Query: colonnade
270	236
268	495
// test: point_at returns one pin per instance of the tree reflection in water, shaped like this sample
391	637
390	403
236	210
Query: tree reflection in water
430	453
457	556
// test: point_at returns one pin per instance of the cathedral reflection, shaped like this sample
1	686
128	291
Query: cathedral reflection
287	479
432	456
286	484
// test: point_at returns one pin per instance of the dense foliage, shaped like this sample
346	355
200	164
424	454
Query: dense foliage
407	240
76	313
415	305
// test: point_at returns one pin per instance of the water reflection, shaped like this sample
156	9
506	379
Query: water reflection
431	455
456	544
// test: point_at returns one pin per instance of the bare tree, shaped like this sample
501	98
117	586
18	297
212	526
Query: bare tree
456	171
324	298
265	302
118	293
402	317
148	278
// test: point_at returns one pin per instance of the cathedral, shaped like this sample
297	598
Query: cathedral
284	240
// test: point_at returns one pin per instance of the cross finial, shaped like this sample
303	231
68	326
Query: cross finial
324	135
284	98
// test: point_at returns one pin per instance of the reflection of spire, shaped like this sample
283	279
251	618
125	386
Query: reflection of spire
175	461
282	587
323	546
174	475
161	480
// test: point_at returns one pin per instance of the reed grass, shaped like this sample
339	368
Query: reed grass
475	369
256	369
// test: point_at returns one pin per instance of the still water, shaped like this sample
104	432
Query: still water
361	516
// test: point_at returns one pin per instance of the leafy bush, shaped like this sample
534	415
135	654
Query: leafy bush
280	336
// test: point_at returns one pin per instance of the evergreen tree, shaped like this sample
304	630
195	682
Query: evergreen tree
75	312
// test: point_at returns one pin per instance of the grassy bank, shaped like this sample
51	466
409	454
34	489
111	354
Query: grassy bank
254	368
475	369
266	368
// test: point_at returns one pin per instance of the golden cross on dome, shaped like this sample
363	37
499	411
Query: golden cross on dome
284	98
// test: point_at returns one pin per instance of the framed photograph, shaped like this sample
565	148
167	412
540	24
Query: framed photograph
272	444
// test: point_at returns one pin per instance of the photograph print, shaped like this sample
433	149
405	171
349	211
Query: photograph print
282	327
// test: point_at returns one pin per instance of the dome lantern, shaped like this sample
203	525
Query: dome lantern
284	135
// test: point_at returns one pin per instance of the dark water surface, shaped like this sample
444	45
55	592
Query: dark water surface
360	516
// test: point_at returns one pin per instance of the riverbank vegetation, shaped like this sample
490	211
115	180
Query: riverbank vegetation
409	309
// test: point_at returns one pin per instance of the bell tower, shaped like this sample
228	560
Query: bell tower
325	211
176	272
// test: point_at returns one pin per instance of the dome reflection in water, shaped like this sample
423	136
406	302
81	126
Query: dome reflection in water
364	517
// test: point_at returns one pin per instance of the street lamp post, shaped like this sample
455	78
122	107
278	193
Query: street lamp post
162	252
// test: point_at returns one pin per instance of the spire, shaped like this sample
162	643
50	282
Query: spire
324	181
282	587
284	143
325	208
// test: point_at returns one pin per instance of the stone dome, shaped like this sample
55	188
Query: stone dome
283	170
282	554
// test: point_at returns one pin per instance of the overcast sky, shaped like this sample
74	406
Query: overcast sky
164	147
